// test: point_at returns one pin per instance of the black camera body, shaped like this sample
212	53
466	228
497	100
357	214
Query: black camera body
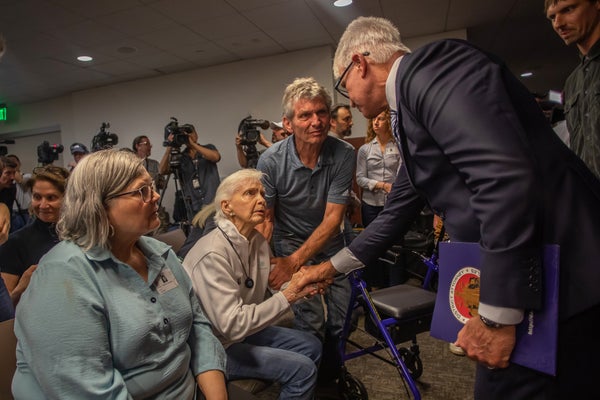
104	139
180	133
48	153
248	130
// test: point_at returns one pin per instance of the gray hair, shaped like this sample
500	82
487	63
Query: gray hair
230	185
377	36
303	88
83	218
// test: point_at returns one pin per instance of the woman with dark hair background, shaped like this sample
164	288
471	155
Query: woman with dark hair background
25	247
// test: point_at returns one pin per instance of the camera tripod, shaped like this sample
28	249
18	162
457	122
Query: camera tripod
251	155
181	196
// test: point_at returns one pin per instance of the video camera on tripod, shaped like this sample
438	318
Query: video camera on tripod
48	153
182	209
181	135
248	130
250	135
104	139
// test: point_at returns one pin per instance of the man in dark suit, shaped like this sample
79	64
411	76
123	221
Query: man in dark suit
478	150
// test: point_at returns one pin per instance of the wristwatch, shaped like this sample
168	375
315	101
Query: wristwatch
489	323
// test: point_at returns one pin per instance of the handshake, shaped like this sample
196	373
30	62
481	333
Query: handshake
306	282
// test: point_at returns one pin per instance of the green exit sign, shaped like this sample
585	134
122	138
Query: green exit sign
2	112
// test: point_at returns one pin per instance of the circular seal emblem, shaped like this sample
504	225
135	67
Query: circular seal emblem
464	294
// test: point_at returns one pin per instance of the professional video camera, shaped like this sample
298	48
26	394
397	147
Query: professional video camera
247	129
48	153
4	149
104	139
180	133
248	132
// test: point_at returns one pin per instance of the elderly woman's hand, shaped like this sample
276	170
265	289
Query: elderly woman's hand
296	288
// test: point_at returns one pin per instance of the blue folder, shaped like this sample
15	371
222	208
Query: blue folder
457	300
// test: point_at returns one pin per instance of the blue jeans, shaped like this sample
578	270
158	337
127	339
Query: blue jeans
310	314
287	356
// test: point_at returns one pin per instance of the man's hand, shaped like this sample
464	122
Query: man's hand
294	292
264	141
282	271
238	142
489	346
4	222
323	272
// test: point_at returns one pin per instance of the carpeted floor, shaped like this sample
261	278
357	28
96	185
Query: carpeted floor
445	375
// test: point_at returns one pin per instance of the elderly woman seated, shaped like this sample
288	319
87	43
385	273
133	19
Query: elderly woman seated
229	268
109	312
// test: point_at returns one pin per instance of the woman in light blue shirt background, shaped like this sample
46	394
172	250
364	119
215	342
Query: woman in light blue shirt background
377	165
110	313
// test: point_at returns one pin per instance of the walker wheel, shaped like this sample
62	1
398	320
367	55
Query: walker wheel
412	361
350	388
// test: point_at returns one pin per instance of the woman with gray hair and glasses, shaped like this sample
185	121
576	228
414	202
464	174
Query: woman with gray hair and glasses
110	313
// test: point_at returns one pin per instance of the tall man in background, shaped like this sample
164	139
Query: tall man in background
197	167
478	150
307	182
578	22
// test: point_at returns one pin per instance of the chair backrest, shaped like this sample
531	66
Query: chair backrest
175	238
8	358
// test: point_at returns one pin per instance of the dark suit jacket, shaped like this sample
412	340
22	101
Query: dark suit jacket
478	150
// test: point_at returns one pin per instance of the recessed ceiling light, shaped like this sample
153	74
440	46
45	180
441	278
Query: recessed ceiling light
85	58
342	3
526	74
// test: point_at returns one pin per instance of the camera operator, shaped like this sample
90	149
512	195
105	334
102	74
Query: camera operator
243	149
198	170
78	151
279	133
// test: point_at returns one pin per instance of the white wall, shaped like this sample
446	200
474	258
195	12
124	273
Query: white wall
213	99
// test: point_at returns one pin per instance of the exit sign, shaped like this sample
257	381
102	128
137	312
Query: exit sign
2	112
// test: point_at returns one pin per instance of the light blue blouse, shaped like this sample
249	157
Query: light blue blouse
373	166
89	327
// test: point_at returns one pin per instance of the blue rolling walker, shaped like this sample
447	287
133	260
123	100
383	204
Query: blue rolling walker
393	315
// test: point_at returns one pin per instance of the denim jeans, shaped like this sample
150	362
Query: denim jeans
310	315
287	356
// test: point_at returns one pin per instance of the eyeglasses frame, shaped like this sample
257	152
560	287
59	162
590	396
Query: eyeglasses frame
139	190
340	89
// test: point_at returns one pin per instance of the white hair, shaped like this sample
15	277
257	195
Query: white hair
230	185
377	36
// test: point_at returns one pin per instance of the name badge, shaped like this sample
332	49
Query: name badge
165	281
